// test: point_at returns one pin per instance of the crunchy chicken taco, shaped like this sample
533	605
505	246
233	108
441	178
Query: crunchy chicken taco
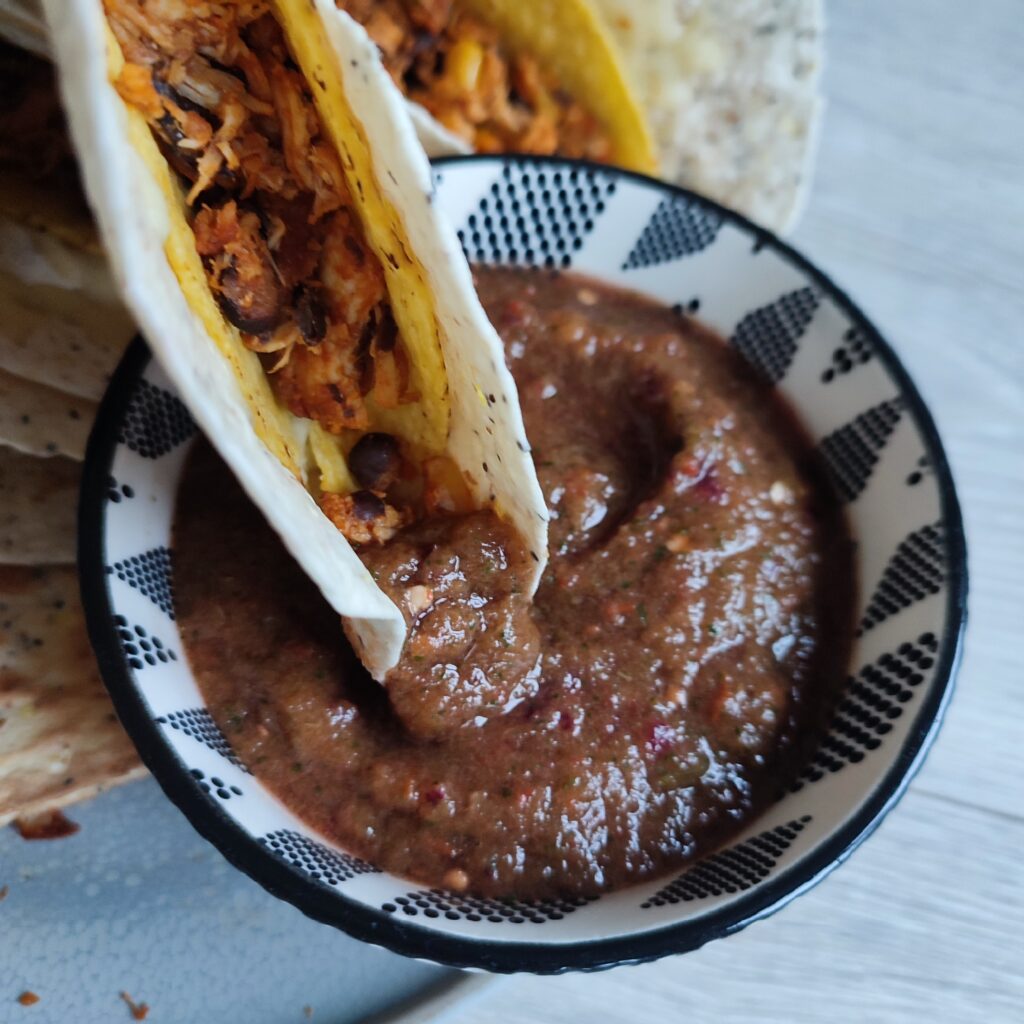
503	75
720	97
268	213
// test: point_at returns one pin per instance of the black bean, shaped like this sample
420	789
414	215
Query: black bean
367	507
375	461
311	316
387	333
252	310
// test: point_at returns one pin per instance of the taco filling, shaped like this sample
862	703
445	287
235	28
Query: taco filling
460	69
282	246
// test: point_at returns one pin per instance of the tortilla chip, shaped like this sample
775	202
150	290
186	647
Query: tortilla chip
38	504
731	94
60	740
40	420
63	339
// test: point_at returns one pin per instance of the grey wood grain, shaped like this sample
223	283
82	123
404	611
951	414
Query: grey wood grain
918	211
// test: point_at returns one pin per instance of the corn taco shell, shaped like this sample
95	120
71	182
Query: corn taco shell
504	75
455	400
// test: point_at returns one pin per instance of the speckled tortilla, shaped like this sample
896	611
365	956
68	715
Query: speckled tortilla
731	94
60	741
65	336
38	505
41	420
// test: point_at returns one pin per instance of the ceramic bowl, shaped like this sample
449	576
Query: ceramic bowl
875	436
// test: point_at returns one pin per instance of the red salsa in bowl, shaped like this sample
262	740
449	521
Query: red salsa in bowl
688	636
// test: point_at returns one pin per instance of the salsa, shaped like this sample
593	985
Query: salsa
686	639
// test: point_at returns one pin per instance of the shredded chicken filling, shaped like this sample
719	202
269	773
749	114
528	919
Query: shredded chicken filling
457	67
284	251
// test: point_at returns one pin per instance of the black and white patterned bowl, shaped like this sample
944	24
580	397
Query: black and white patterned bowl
875	435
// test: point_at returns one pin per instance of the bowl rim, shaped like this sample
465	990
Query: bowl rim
375	925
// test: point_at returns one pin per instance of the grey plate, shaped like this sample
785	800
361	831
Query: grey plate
138	902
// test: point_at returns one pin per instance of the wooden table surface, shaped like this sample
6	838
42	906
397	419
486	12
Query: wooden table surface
918	210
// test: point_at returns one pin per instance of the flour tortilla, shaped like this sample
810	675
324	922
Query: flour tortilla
60	741
38	505
731	94
141	227
41	420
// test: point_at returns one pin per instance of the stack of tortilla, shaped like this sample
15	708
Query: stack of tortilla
61	335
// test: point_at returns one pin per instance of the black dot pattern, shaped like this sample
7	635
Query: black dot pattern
854	351
851	452
214	786
736	869
141	648
922	469
768	337
677	228
322	864
149	574
535	216
118	492
199	724
436	903
156	422
871	701
916	570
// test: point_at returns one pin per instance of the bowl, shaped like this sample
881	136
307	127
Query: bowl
880	447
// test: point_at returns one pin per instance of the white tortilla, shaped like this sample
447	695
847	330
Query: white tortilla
731	95
60	740
41	420
38	505
133	220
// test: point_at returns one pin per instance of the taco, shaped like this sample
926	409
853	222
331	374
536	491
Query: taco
503	75
267	211
722	98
